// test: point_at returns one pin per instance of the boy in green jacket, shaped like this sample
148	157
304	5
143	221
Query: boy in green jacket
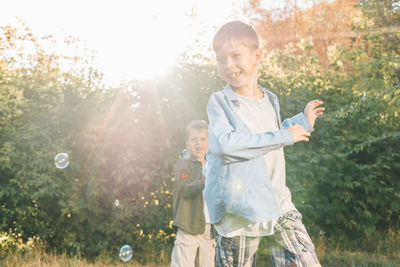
190	211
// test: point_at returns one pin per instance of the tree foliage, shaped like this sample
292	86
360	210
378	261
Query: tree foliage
326	22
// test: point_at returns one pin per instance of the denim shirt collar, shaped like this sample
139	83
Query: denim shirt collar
232	97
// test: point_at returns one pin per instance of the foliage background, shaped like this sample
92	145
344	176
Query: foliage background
123	141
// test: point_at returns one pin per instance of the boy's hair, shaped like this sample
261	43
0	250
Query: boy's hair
236	30
195	125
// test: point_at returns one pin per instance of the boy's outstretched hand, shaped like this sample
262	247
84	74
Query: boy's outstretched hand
299	133
312	111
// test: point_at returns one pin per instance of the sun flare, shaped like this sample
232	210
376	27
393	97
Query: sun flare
131	40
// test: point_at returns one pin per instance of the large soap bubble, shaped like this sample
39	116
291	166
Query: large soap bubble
125	253
61	160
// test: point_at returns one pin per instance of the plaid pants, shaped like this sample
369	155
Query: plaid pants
289	246
240	251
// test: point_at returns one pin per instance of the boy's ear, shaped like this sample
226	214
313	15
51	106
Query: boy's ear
259	54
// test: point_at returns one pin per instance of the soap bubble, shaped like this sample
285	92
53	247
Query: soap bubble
61	160
125	253
186	153
116	202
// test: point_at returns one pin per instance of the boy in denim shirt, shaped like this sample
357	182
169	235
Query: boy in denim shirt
245	191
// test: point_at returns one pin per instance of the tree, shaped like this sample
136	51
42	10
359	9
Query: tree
325	22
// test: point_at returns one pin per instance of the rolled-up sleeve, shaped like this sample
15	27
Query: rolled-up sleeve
300	119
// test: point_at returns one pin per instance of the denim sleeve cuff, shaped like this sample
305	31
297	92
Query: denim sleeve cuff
302	120
287	137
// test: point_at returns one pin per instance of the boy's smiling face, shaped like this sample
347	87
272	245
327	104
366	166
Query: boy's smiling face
238	63
197	143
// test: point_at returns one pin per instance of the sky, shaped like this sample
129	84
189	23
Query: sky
132	39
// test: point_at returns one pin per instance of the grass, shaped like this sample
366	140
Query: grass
39	258
358	259
385	253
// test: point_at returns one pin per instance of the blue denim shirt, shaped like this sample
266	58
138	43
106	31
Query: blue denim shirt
237	179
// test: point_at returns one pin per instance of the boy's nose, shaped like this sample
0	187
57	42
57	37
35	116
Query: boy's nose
229	63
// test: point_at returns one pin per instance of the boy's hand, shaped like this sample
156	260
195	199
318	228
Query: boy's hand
299	133
312	111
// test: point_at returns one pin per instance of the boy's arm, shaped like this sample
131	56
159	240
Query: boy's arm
185	180
236	146
307	119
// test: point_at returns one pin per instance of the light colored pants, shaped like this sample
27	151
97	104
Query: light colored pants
186	246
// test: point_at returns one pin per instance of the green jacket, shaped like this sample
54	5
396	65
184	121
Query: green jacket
188	200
